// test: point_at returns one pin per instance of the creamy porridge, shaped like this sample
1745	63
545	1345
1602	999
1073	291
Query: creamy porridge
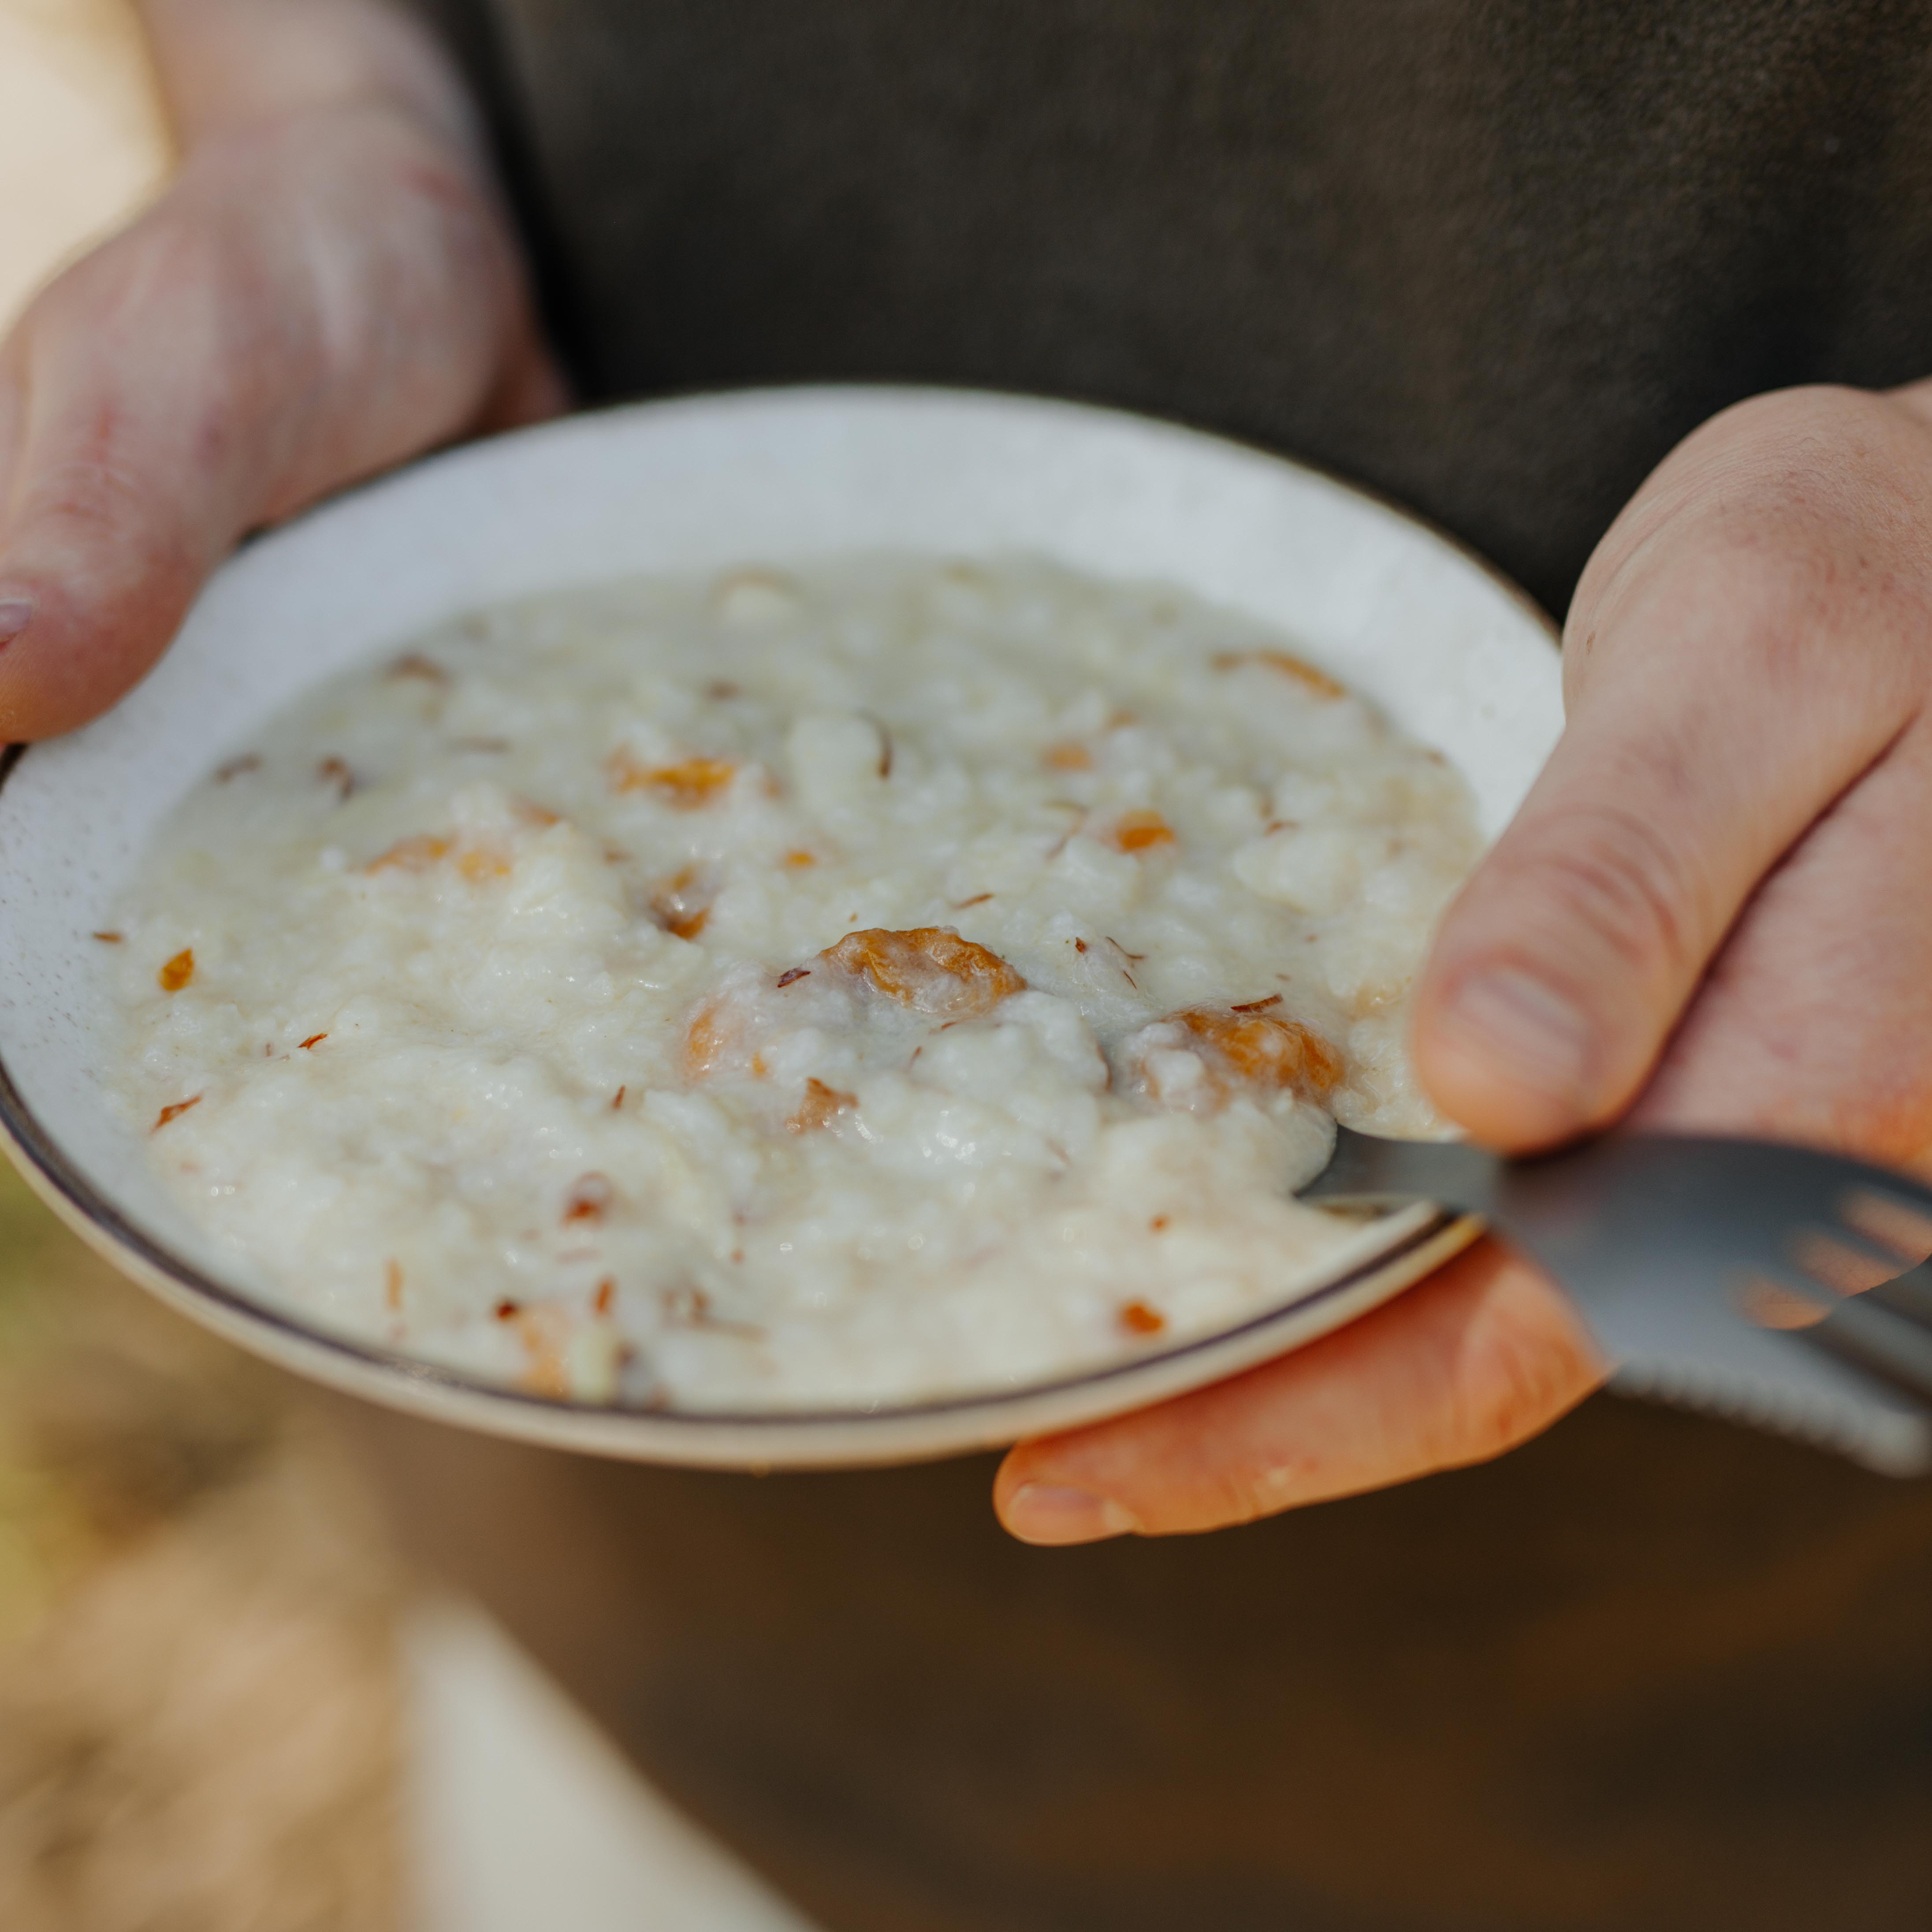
836	986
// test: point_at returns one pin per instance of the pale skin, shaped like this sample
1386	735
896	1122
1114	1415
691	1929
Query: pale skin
1715	908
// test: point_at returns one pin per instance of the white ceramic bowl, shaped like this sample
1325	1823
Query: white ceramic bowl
1450	652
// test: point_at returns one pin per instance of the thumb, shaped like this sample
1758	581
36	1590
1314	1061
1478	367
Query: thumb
1686	770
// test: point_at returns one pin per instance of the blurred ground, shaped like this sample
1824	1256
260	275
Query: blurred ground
199	1723
199	1686
81	137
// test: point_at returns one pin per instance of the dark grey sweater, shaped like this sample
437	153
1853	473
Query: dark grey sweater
1494	257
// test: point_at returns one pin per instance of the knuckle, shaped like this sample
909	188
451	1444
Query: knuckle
1778	579
1247	1494
95	493
1611	872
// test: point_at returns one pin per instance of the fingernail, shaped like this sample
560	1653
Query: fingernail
1535	1032
1052	1513
15	614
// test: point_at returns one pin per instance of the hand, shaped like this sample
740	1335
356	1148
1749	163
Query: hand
329	286
1718	897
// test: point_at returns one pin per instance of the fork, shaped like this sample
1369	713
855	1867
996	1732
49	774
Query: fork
1753	1279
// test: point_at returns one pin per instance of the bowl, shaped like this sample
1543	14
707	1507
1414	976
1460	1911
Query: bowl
1450	652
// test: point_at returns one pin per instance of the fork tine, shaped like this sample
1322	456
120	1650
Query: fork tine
1908	1296
1864	1246
1890	1220
1844	1266
1872	1336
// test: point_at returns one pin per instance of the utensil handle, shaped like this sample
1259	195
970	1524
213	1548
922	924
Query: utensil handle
1373	1172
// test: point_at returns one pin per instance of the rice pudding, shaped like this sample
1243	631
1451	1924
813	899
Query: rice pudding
831	987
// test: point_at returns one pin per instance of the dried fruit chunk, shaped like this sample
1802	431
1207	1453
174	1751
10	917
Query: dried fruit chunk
1264	1050
178	972
483	862
417	853
681	904
1317	683
335	772
686	786
589	1199
545	1332
822	1106
930	968
716	1034
1136	831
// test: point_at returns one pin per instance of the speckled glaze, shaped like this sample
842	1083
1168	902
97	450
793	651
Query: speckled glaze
1453	655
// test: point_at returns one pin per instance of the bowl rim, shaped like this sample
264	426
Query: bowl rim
1418	1238
77	1201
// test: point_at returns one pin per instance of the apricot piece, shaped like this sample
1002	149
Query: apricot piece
822	1106
685	786
681	904
545	1332
415	854
929	968
1317	683
482	862
589	1199
1137	831
1265	1050
716	1034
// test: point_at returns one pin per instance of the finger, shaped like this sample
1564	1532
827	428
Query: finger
255	341
113	514
1725	685
1479	1357
1816	1021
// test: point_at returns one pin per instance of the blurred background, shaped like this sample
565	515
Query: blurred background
199	1656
